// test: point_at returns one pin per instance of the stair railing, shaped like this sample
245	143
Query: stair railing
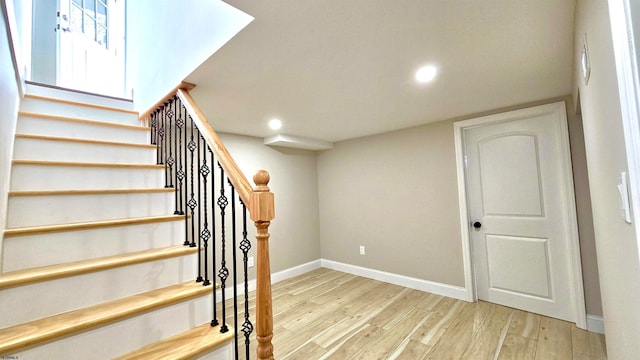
189	148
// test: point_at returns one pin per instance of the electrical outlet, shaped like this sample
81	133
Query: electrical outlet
250	261
361	249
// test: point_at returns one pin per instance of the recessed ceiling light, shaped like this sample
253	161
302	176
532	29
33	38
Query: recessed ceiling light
426	74
275	124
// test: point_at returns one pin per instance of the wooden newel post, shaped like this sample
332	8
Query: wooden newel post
262	212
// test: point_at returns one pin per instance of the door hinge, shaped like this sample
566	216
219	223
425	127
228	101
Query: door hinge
64	29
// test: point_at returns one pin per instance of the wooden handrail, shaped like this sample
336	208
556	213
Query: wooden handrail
183	85
220	151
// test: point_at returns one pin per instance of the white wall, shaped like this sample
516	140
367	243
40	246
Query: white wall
167	40
9	101
619	266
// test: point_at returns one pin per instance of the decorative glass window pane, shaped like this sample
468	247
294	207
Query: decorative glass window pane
90	7
78	2
90	27
102	14
101	36
76	19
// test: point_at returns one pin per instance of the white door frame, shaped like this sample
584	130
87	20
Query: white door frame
575	268
629	88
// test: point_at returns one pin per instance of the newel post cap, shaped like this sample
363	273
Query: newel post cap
262	199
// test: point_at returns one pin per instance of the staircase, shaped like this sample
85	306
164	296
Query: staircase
93	262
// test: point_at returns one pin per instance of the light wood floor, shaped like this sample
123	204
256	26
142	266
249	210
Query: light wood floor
326	314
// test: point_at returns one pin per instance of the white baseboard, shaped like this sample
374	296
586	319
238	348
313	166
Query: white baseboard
276	277
595	324
295	271
456	292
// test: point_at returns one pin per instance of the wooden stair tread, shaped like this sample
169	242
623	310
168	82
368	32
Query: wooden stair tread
88	191
185	345
82	121
83	141
35	332
29	230
29	276
79	103
85	164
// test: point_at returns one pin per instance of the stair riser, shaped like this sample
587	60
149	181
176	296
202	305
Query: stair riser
224	352
81	112
125	336
65	294
51	127
38	177
29	251
78	97
57	209
36	149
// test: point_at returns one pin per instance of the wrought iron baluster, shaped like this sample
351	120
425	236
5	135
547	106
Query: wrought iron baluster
160	154
223	273
186	180
154	130
200	210
170	160
206	234
165	145
192	203
214	321
245	246
180	126
233	263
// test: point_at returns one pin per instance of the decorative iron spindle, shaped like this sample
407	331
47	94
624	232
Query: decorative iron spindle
160	145
235	272
188	125
170	160
245	246
223	273
166	132
154	129
192	203
180	126
203	209
214	321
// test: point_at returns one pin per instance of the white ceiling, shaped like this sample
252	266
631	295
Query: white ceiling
339	69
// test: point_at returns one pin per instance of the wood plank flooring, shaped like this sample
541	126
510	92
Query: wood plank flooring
326	314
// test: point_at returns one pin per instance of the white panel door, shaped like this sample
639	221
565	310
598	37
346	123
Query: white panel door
519	223
91	46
